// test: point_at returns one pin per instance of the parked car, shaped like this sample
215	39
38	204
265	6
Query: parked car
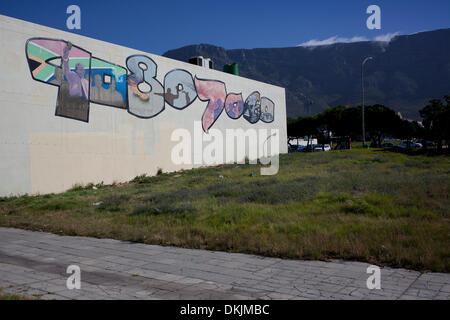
319	148
308	148
389	145
412	144
295	148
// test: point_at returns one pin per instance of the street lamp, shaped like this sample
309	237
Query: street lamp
264	145
362	91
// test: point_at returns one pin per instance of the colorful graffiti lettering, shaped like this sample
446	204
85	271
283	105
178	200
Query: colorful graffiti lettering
181	82
252	107
267	110
71	76
234	105
108	84
215	93
147	98
82	78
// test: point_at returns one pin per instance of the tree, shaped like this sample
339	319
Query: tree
407	130
303	126
436	118
329	121
380	121
351	123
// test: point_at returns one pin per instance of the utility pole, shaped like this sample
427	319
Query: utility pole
362	93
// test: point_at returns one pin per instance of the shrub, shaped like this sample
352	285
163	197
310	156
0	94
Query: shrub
163	208
113	202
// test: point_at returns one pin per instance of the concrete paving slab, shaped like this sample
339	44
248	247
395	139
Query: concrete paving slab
34	264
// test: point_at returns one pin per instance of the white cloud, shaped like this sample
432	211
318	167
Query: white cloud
386	37
332	40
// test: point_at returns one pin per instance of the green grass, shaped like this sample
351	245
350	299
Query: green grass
13	297
10	297
4	296
371	205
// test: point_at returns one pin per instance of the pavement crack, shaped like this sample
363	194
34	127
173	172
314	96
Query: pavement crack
411	284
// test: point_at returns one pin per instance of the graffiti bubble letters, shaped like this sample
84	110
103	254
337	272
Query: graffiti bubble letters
71	74
108	84
215	93
82	78
181	82
267	110
252	107
147	94
234	105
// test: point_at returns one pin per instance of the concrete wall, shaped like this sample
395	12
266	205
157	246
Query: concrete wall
57	130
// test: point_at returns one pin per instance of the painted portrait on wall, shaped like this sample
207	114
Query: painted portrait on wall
61	64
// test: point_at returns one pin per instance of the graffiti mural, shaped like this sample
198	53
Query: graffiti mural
214	92
146	94
82	78
181	82
234	105
267	110
252	107
71	74
108	84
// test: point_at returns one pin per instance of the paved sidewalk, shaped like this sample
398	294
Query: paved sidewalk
35	263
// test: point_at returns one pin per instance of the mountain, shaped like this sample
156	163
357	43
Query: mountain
404	74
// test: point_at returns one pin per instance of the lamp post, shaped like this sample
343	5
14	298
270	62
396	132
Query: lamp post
264	145
362	92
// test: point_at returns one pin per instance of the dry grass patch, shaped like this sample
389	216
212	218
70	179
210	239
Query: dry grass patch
368	205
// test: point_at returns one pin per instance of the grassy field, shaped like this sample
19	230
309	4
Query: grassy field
11	297
4	296
370	205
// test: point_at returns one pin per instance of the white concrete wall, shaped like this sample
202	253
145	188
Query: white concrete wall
43	153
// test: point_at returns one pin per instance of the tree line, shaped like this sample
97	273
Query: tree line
380	122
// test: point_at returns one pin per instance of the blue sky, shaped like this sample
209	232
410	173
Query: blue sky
157	26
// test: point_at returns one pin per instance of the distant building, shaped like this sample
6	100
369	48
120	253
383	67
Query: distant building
202	62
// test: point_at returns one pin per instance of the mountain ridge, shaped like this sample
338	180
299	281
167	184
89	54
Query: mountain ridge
405	73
